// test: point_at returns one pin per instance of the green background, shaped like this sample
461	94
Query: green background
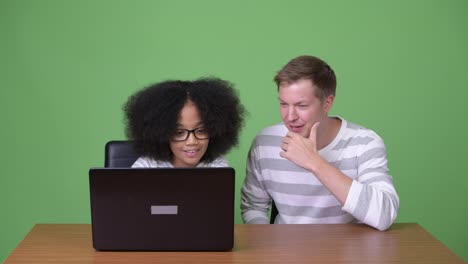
66	68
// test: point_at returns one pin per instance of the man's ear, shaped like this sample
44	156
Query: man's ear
328	103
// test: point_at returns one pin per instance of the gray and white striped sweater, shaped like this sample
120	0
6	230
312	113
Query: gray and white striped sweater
302	199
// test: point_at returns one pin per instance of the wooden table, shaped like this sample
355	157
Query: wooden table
343	243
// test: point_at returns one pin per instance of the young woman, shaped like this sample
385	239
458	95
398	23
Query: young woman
184	123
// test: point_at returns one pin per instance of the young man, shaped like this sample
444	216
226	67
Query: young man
316	168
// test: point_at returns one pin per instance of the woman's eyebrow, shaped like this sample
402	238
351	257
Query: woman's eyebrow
199	124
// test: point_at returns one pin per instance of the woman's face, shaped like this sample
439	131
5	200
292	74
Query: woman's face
188	152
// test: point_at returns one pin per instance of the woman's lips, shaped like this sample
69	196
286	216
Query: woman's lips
191	153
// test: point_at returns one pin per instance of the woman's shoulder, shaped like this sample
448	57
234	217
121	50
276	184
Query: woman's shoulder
147	162
219	162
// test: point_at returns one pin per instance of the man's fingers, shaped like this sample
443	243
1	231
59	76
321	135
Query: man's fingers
284	146
283	154
313	132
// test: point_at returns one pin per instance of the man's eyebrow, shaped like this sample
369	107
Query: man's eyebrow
297	103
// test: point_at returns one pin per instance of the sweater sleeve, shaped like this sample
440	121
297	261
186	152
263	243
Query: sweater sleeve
372	198
255	200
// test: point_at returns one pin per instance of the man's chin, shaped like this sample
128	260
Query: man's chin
303	131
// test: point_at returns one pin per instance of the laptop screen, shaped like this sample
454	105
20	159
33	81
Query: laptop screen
162	208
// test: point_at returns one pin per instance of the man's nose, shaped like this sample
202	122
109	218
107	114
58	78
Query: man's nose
292	114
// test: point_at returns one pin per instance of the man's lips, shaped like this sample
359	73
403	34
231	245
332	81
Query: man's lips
295	128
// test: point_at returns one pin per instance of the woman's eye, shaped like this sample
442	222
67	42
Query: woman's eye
179	132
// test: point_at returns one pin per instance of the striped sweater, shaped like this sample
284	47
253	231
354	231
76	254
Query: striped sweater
302	199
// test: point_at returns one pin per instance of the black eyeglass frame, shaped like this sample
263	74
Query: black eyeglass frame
188	134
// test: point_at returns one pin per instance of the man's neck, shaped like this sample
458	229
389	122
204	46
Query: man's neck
327	131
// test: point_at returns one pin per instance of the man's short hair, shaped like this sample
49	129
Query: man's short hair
309	68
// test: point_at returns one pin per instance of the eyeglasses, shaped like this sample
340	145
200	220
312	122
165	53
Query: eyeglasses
183	134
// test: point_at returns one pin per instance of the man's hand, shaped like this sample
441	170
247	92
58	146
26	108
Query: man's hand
303	152
300	150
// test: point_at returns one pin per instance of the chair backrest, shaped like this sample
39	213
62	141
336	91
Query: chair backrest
273	213
120	153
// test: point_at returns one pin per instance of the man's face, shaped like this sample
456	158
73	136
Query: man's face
299	106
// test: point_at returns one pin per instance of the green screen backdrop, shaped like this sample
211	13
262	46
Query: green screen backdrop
66	68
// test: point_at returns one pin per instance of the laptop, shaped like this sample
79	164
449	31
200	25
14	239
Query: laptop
167	209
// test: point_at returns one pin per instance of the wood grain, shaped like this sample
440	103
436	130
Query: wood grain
353	243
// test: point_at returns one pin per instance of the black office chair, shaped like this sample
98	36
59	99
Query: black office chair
273	213
120	153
